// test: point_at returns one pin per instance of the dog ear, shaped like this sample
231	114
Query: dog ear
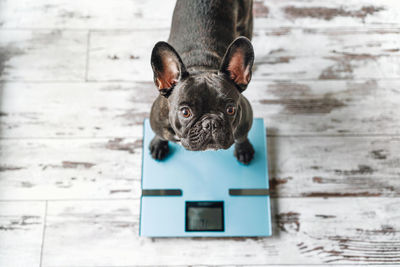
238	61
168	67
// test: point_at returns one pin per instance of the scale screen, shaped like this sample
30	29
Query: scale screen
204	216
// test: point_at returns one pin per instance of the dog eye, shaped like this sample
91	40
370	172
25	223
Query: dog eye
230	110
186	112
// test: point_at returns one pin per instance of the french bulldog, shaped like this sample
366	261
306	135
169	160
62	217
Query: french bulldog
200	74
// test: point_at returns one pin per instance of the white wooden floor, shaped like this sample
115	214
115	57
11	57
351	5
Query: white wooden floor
76	85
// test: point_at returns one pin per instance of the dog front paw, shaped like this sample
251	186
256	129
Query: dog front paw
158	148
244	152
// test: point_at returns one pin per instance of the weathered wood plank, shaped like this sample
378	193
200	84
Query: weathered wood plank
74	109
327	107
21	230
111	168
70	169
128	14
320	13
122	55
61	55
118	109
338	167
284	41
42	55
86	14
282	53
342	66
306	231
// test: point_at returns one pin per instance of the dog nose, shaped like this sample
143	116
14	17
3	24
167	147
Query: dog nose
206	124
210	124
215	124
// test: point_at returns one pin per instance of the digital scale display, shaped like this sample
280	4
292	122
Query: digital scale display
204	216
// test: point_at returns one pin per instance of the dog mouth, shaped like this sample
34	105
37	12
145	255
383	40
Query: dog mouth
199	138
211	144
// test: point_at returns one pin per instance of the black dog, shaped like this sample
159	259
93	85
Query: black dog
200	81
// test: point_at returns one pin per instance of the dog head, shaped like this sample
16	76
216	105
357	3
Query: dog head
204	107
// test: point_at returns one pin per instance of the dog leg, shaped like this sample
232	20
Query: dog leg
158	148
244	151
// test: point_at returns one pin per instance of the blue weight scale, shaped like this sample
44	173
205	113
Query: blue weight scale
207	193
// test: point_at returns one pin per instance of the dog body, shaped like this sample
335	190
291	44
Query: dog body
201	73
